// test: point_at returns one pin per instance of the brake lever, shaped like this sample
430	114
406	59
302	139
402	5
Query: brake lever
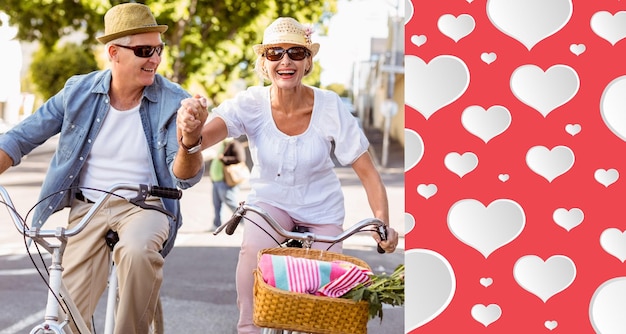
382	231
140	201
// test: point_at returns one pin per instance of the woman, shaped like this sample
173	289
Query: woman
290	129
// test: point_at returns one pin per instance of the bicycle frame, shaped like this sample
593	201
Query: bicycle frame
57	291
307	238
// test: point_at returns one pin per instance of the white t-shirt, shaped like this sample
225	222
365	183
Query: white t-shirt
296	173
120	154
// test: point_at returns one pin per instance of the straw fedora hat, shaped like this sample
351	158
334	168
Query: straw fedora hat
128	19
286	30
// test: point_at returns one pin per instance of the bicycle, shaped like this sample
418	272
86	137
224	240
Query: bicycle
59	300
298	243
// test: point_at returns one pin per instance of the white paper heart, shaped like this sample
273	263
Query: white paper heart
433	284
612	106
577	49
430	87
461	164
486	124
486	281
413	149
550	163
486	315
544	279
418	40
608	306
456	27
488	57
610	27
551	324
573	129
427	190
408	11
613	241
544	91
606	177
486	228
503	177
529	21
568	219
409	222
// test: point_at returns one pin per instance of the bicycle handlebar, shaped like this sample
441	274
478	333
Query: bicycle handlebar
143	191
234	221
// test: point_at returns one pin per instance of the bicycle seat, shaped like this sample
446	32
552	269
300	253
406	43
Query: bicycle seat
111	238
296	243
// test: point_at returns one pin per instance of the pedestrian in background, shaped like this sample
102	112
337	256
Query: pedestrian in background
229	152
115	126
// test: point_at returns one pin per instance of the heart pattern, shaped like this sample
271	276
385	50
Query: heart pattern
550	163
542	278
486	315
486	228
544	91
456	27
519	106
608	26
436	84
519	20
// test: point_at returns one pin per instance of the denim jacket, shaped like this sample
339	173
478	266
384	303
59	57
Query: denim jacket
76	113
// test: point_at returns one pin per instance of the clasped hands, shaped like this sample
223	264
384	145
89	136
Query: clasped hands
192	114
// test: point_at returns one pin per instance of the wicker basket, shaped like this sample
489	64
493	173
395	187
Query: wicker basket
277	308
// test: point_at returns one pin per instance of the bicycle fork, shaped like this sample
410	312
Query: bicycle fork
109	322
56	291
51	324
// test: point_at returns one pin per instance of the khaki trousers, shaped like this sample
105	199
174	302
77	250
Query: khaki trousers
136	255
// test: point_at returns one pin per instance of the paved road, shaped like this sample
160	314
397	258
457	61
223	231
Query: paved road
198	294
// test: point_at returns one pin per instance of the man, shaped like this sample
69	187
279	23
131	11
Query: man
115	126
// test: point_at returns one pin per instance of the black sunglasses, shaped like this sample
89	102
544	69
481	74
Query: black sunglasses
144	51
295	53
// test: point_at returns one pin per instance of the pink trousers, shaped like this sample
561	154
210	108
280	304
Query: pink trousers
255	239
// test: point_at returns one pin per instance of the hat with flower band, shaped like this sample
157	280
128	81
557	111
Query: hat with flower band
286	30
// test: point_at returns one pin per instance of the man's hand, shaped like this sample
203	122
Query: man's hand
191	116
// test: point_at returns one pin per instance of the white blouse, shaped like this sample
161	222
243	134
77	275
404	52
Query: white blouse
296	173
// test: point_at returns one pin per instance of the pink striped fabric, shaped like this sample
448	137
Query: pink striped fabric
346	282
303	274
316	277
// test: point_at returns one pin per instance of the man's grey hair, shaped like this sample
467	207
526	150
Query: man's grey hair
124	40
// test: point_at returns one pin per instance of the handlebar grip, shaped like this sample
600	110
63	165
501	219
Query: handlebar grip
232	224
382	231
165	192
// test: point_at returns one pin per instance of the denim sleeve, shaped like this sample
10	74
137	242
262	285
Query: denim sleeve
34	130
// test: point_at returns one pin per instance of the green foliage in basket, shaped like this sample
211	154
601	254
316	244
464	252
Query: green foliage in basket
382	289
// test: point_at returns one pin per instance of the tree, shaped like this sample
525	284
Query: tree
209	42
51	68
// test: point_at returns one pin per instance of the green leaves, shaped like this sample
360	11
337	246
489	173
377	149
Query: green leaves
382	289
209	43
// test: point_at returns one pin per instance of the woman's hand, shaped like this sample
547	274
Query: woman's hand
191	116
391	243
